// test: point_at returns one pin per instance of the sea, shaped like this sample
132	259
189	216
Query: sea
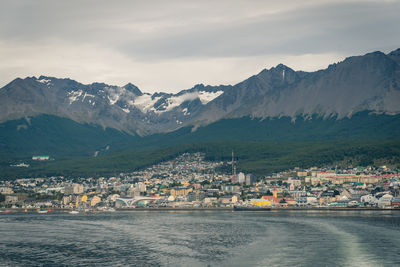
201	238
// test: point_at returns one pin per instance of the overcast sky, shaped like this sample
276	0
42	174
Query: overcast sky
172	45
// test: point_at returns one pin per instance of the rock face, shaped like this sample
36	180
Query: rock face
370	82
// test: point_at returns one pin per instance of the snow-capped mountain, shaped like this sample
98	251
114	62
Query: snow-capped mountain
124	108
370	82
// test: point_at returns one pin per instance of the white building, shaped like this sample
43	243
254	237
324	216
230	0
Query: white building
385	201
370	199
241	178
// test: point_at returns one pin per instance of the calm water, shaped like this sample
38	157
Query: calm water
201	239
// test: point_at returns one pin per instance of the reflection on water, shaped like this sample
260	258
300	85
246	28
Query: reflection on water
202	238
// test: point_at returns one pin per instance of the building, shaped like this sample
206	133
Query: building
230	188
241	178
327	197
133	192
141	187
210	200
234	179
294	182
225	200
301	201
180	191
95	200
67	199
385	201
40	157
195	196
262	202
250	179
301	174
6	190
10	199
396	202
369	200
74	189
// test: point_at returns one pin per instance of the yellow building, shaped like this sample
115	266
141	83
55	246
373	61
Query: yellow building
301	174
180	191
260	202
84	198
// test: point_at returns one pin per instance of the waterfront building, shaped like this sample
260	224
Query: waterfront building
301	201
396	202
272	199
262	202
369	200
225	200
385	201
327	197
95	200
210	200
67	199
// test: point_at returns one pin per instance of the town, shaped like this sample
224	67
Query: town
191	182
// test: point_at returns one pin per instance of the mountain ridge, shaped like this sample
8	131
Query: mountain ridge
368	82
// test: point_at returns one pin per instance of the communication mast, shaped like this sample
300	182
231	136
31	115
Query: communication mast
233	168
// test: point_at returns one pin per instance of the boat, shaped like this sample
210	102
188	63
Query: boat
244	208
73	212
6	211
42	211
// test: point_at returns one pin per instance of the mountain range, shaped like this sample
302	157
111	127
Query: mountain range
369	82
358	98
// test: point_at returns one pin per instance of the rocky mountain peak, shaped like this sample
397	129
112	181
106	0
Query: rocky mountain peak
395	55
133	88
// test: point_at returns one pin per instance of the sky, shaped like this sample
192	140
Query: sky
172	45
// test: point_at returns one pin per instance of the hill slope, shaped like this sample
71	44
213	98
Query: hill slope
349	111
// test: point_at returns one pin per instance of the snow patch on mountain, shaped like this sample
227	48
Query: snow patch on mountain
113	94
177	100
87	95
45	81
185	112
144	102
206	97
74	95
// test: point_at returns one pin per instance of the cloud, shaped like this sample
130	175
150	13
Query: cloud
171	45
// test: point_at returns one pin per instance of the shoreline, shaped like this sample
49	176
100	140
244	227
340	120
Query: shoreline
273	209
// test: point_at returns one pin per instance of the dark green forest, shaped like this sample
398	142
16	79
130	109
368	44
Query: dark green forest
260	158
261	146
